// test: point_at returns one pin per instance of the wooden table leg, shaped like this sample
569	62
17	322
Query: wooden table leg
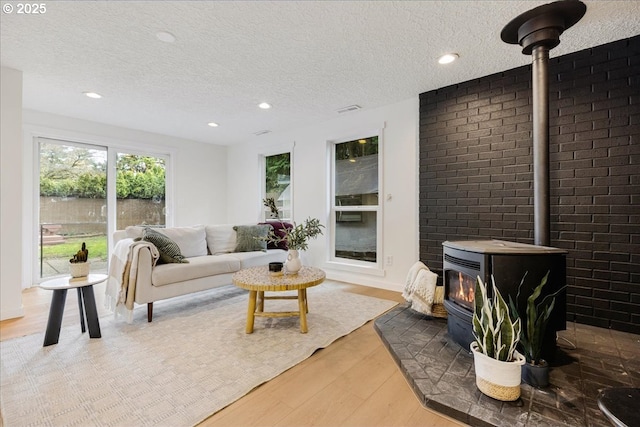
92	312
306	301
56	311
82	327
302	307
251	311
260	301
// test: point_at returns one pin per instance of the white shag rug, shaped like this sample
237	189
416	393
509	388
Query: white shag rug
191	361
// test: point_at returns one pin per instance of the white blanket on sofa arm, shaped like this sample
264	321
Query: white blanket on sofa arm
123	271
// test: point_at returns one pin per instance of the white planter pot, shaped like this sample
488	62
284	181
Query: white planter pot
79	269
495	378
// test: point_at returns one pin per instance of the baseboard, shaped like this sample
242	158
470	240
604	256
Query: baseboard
12	313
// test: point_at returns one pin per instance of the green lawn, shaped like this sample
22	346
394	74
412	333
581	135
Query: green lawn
97	246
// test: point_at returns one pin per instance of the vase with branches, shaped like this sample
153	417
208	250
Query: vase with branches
295	237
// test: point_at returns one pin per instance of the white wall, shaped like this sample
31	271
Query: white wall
310	184
11	242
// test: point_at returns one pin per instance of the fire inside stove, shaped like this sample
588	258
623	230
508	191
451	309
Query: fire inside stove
461	289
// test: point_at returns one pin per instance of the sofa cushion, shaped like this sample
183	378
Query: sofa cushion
221	239
256	258
202	266
134	231
192	240
251	237
169	250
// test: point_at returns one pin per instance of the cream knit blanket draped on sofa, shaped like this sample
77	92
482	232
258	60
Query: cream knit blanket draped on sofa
123	270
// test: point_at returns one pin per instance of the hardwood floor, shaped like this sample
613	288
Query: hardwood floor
353	382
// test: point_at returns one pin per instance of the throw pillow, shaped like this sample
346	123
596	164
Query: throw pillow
169	250
221	239
279	231
251	237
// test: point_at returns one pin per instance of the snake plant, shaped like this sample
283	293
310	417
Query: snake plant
537	317
495	332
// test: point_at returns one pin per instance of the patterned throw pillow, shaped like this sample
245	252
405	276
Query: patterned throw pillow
169	250
251	237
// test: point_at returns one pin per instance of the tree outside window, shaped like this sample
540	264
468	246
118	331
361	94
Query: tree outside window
278	183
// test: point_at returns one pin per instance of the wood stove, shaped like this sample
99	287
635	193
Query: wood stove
507	262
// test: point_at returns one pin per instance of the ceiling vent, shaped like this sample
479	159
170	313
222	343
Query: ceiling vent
261	132
349	108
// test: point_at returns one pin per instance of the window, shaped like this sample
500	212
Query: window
140	190
74	196
355	206
277	184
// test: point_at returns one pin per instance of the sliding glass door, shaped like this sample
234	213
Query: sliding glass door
72	206
74	198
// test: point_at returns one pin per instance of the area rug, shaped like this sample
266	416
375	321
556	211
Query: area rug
191	361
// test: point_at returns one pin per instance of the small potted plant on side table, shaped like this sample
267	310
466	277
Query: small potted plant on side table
79	264
295	237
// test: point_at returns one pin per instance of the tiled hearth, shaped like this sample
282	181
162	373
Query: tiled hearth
441	373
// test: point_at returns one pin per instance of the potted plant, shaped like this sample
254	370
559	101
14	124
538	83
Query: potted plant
79	264
295	237
535	371
497	362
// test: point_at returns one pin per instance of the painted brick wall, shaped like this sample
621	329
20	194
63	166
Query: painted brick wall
476	172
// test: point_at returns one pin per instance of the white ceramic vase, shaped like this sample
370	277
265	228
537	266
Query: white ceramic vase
495	378
293	264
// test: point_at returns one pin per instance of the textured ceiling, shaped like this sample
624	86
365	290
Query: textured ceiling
307	58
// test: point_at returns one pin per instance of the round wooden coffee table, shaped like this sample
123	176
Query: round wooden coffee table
258	280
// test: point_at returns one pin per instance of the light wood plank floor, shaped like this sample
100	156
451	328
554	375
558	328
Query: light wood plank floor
353	382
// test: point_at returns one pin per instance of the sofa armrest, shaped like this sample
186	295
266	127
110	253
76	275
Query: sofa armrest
143	276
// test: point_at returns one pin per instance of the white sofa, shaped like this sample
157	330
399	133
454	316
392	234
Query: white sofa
211	256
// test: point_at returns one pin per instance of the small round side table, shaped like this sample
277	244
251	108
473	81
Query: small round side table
86	304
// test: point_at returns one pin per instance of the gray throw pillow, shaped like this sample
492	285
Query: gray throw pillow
169	250
251	237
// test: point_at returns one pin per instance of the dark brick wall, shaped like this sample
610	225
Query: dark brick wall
476	172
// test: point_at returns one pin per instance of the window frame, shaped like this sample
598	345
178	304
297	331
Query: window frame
358	266
262	158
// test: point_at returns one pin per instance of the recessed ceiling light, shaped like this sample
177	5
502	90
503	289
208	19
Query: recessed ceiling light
213	124
165	36
93	95
264	105
448	58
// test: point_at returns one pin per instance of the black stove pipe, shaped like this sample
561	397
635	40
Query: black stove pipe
541	199
538	31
